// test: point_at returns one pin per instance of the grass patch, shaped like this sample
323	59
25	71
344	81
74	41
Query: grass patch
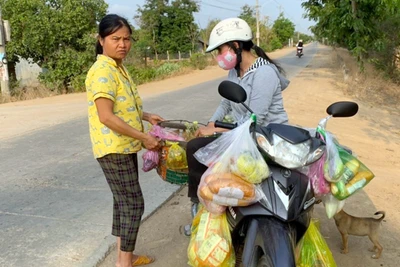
371	85
27	93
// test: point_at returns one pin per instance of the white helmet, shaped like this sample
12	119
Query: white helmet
232	29
300	40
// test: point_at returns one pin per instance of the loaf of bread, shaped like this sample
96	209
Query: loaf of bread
230	185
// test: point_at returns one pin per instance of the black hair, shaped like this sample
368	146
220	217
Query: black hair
247	46
108	25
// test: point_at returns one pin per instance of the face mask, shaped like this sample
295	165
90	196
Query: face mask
227	60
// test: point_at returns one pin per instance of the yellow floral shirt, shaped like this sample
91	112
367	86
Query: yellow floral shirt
109	80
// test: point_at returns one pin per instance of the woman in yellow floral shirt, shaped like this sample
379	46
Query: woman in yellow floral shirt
116	130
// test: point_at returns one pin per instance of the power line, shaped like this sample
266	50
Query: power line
220	7
222	2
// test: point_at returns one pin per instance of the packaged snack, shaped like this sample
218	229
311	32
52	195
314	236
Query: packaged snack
210	242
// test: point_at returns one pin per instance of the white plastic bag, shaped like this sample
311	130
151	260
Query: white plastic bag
332	205
235	152
333	167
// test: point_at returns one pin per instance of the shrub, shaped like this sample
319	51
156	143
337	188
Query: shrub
199	61
167	69
141	75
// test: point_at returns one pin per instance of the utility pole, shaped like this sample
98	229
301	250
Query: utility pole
258	23
4	80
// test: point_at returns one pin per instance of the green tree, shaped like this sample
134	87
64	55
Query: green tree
365	27
283	28
248	14
58	35
267	37
171	26
179	32
149	18
269	41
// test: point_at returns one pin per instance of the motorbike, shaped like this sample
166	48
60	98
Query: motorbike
299	52
266	233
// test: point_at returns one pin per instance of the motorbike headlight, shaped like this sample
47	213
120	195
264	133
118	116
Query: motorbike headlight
286	154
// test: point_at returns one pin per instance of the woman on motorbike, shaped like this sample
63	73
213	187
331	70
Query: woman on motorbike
259	75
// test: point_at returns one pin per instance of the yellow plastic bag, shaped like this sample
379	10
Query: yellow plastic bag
313	249
176	159
210	243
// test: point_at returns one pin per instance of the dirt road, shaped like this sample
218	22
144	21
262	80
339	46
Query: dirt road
374	136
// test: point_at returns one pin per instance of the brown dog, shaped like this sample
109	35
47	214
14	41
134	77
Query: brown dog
350	225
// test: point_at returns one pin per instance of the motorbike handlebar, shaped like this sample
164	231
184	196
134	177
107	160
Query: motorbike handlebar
225	125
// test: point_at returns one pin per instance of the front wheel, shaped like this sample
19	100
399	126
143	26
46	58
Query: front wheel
269	242
265	261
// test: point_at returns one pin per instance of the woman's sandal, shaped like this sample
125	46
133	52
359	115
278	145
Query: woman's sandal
143	260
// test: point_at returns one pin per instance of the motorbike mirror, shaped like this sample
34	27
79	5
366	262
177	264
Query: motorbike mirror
342	109
232	91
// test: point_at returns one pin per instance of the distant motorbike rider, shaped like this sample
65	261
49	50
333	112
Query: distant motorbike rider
299	47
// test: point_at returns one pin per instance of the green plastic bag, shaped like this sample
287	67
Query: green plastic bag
354	177
313	250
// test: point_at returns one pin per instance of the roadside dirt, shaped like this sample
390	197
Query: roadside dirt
372	134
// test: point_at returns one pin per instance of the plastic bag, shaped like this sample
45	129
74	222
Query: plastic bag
219	189
355	176
165	133
150	160
333	167
332	205
315	172
236	152
176	158
210	242
286	154
314	250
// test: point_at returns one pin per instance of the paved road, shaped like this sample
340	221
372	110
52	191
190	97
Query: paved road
55	206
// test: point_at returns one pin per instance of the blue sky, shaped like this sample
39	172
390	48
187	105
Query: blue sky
220	9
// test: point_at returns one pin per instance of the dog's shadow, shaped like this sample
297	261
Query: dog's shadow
360	205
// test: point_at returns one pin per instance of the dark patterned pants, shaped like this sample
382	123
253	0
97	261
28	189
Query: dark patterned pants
121	172
196	169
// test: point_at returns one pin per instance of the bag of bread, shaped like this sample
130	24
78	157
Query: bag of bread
235	151
219	189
